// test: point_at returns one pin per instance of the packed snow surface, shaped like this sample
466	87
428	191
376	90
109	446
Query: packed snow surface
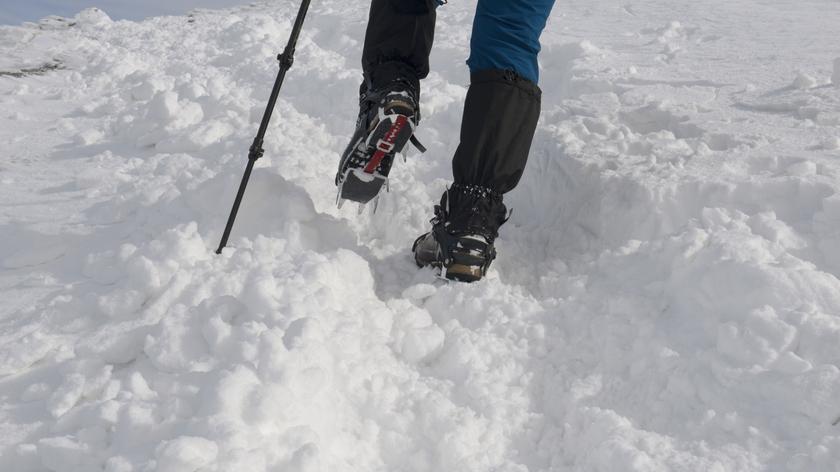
666	296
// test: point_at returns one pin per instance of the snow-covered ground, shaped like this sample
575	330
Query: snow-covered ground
13	12
666	296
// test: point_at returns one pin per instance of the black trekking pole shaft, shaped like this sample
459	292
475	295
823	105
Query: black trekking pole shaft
256	151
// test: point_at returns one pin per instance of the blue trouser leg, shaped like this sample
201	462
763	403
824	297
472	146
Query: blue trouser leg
506	35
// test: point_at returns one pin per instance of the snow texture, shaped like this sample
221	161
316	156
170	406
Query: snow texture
666	296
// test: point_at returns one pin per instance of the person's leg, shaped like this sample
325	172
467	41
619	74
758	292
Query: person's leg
503	101
395	57
500	118
498	125
398	41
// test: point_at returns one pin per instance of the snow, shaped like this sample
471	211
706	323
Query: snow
835	76
666	296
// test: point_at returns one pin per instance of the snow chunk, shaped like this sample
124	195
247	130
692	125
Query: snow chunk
306	459
300	331
419	291
417	338
63	454
803	168
167	109
89	136
67	395
790	363
118	464
804	81
832	143
25	352
767	224
164	106
139	387
93	17
176	345
421	343
185	454
759	340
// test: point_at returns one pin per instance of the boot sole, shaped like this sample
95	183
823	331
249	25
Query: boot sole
389	137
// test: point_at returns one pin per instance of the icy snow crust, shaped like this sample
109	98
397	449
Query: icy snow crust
666	297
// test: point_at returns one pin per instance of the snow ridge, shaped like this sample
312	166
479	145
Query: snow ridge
666	297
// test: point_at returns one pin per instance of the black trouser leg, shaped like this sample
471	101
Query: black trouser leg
500	118
398	41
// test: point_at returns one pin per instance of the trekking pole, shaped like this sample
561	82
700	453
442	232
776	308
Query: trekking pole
256	151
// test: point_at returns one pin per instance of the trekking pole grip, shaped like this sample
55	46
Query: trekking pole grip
286	59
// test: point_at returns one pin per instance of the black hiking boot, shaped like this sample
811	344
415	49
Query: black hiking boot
465	225
386	123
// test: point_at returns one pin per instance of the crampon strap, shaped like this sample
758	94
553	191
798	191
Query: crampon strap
416	142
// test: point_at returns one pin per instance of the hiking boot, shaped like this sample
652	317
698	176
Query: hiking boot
386	123
465	226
